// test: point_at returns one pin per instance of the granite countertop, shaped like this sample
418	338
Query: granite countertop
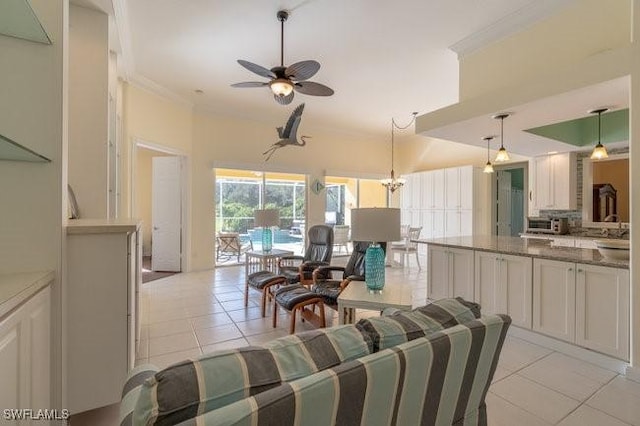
17	288
528	247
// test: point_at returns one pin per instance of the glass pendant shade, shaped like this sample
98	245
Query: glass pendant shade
599	151
281	87
502	155
488	168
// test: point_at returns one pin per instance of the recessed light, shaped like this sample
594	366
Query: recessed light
199	91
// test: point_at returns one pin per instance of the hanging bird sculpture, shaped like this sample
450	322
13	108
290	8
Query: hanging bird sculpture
289	134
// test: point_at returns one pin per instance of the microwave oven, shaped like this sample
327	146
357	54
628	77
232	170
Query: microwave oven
545	225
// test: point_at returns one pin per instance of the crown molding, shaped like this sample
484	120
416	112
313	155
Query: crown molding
121	17
144	83
513	23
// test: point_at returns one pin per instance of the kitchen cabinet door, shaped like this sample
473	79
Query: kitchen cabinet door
465	187
437	177
452	188
516	283
437	272
542	196
461	263
438	227
602	309
486	281
554	295
416	191
564	184
452	223
466	222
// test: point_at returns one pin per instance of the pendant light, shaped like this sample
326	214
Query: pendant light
502	153
488	168
392	183
599	151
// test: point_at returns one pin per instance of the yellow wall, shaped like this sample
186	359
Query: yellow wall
234	143
585	28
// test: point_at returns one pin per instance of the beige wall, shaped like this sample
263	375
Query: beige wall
616	173
419	153
34	113
88	104
585	28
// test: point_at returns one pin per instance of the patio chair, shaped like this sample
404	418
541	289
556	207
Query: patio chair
407	247
228	244
318	253
341	237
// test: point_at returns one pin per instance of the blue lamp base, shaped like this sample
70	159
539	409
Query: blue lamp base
374	268
267	239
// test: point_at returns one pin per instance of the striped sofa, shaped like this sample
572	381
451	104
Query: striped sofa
430	366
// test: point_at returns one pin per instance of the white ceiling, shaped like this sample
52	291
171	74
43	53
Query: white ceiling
382	58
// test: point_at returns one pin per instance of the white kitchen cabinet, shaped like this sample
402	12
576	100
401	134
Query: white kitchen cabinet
503	284
602	309
104	261
458	192
554	295
449	272
25	355
553	183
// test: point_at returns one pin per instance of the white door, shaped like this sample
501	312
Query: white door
504	203
166	214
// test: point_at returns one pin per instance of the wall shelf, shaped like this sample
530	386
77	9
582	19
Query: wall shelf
13	151
17	19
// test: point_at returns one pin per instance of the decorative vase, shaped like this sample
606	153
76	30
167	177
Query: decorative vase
374	268
267	239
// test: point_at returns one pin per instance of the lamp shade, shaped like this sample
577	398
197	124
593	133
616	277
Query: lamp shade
375	224
266	217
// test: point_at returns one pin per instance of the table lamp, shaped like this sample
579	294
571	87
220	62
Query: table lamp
266	218
376	225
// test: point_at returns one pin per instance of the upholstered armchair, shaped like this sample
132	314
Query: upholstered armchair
329	288
318	253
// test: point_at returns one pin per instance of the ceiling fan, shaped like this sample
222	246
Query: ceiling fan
284	80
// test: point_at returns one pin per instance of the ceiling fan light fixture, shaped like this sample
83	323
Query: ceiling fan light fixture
281	87
599	151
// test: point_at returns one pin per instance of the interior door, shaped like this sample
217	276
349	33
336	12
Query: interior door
166	214
504	203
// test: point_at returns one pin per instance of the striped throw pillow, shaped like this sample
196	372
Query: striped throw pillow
396	327
193	387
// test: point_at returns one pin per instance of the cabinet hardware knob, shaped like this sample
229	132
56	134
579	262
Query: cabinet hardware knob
570	269
580	270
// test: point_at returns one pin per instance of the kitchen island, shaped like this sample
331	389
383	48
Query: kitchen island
567	293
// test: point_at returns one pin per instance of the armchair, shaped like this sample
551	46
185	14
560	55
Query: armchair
328	288
318	253
228	244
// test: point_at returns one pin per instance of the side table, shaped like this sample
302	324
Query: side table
356	295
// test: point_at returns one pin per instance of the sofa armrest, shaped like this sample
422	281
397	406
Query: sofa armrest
131	391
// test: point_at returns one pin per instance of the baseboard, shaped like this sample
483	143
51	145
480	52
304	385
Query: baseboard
633	373
587	355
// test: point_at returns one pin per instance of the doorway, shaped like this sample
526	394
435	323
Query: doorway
508	188
158	198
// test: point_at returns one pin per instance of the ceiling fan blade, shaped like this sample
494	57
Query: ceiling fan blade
257	69
250	84
284	100
313	89
302	70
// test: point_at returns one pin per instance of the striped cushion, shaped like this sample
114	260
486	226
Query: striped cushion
192	387
131	391
439	380
397	327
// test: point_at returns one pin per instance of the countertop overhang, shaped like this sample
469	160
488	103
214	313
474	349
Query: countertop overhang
527	247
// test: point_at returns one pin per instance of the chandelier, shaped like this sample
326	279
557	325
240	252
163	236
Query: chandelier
392	183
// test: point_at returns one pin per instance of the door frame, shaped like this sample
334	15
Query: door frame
494	191
185	163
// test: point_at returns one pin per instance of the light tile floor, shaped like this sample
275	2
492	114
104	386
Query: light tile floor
186	315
